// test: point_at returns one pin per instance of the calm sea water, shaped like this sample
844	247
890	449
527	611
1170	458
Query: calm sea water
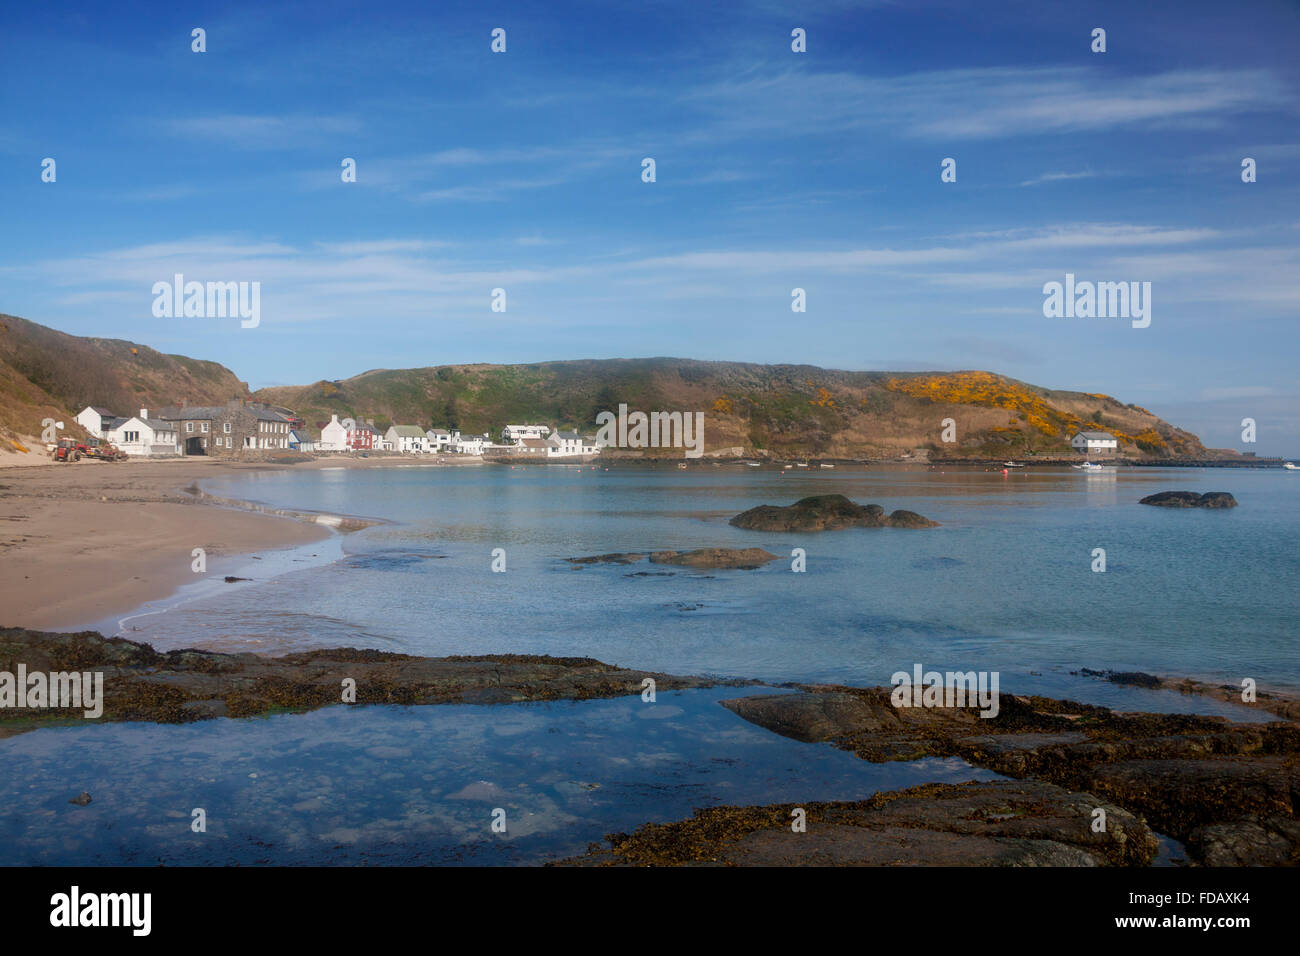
410	785
1005	584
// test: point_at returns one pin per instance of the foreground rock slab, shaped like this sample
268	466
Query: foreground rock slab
1230	791
995	823
141	683
826	513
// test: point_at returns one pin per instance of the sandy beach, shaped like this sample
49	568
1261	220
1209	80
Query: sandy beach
82	541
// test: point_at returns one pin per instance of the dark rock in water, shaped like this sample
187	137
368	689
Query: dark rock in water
231	579
1134	679
183	686
617	558
936	564
740	558
910	519
809	717
1190	499
1218	499
826	513
81	799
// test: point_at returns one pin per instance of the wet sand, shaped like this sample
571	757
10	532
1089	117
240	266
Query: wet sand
82	541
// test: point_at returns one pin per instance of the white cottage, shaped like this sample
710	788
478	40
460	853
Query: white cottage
334	436
144	436
471	444
94	420
440	438
512	434
569	445
408	439
1095	443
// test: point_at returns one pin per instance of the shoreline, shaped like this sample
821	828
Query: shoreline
1219	787
154	513
61	523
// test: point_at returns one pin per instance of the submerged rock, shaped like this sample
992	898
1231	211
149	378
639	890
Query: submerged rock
82	799
739	558
615	558
826	513
1190	499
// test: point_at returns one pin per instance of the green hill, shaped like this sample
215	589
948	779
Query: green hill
45	373
782	410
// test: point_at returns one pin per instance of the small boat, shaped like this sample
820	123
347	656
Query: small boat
1088	466
754	464
801	464
1012	464
681	465
824	465
1290	466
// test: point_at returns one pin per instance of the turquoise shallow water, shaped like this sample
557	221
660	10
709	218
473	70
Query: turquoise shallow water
1005	584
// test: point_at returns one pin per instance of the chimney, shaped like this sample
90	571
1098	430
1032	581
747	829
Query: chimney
144	414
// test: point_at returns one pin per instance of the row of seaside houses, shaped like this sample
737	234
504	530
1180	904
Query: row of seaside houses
226	429
241	426
535	440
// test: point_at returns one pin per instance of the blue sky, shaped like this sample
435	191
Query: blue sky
775	170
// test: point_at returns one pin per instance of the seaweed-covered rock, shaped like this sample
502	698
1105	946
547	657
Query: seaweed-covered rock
826	513
738	558
987	823
1190	499
615	558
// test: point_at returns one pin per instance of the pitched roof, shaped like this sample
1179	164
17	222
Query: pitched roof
1098	436
408	431
211	412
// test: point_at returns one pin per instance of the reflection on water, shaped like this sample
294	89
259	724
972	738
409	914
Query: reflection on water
410	785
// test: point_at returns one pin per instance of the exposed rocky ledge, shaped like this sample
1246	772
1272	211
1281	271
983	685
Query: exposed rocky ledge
734	558
1190	499
141	683
826	513
993	823
1227	790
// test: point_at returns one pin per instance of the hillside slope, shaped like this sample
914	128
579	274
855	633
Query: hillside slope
781	410
45	373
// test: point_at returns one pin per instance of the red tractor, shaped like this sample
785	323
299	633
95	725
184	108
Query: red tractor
66	450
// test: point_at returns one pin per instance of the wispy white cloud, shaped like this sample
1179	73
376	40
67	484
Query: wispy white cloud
984	103
1056	178
244	131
